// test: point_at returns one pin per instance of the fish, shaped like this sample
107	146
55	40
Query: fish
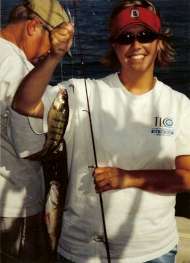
54	208
57	122
53	214
54	157
54	160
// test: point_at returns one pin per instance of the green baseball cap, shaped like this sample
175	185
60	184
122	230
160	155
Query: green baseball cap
50	11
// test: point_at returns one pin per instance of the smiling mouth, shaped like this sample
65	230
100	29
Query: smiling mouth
136	57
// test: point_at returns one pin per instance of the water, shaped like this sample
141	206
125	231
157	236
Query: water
92	25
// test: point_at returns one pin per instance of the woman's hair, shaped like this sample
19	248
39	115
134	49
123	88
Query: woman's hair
166	52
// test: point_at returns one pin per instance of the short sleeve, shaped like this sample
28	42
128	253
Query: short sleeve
25	141
183	136
13	70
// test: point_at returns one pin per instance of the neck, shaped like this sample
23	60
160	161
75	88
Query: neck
14	33
137	83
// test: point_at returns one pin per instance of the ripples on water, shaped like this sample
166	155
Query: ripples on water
92	25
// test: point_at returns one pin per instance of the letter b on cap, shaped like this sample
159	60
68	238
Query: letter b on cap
135	13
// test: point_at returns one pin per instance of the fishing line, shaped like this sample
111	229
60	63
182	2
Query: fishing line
69	54
106	242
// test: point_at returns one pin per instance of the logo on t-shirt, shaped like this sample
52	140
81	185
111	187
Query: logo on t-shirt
163	126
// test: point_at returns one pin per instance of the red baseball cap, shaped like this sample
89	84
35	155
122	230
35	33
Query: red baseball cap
134	16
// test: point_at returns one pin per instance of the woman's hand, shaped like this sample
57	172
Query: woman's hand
109	178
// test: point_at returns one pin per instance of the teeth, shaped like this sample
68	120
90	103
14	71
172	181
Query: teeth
137	56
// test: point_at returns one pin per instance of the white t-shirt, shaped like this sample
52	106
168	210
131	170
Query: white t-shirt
21	181
133	133
13	67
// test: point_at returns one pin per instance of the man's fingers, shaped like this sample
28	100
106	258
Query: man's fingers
62	33
61	38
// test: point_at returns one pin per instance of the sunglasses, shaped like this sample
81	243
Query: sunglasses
128	38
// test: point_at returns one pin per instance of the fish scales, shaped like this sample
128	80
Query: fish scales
57	122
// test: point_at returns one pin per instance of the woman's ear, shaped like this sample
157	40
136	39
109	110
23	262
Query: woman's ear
160	45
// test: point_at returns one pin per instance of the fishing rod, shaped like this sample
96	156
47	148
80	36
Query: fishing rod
106	242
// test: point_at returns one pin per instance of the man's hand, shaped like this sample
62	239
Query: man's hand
109	178
61	39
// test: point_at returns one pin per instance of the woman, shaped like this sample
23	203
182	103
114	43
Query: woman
141	134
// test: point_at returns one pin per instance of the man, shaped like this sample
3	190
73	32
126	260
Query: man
142	145
23	41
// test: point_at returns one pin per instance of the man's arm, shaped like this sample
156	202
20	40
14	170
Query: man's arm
27	99
159	181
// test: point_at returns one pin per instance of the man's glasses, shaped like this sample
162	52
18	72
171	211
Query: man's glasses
128	38
47	28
